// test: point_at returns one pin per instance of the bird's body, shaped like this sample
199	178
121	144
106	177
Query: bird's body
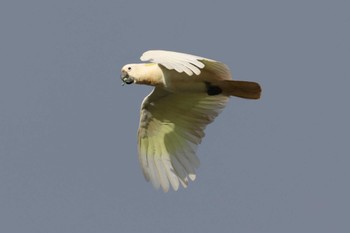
190	91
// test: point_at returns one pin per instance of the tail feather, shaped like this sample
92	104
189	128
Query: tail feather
242	89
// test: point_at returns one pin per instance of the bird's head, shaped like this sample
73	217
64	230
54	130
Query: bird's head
142	73
129	73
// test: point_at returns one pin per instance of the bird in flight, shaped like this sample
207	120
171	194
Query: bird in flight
190	91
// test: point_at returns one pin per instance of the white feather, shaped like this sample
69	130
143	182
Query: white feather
181	62
173	179
172	124
152	169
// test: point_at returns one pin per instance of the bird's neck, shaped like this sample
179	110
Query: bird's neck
151	75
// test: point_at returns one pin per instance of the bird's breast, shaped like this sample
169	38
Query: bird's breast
180	82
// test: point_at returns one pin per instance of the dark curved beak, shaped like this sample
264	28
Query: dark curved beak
126	78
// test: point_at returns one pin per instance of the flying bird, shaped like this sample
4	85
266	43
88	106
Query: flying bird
190	91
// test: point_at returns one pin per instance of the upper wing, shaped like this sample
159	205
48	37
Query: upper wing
171	127
182	62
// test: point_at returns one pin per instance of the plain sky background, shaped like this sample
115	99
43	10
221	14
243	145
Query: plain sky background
68	152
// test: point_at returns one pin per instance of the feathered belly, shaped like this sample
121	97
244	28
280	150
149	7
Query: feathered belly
184	83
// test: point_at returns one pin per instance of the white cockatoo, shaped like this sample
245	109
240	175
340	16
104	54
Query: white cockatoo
190	91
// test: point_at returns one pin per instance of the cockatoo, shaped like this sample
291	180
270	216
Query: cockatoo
190	91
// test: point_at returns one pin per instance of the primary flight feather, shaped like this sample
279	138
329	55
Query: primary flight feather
190	91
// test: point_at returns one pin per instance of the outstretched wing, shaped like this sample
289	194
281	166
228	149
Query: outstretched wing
171	127
182	62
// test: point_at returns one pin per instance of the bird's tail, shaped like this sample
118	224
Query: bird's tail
242	89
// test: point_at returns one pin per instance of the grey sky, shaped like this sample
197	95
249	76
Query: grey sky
68	155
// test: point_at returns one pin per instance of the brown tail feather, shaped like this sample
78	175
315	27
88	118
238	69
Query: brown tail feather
242	89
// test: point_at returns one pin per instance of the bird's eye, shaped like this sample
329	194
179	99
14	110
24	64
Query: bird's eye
129	68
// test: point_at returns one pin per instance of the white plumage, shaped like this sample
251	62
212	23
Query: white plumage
181	62
190	91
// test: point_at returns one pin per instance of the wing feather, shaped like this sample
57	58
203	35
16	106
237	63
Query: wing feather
163	178
177	167
152	169
173	179
171	127
181	62
143	148
191	151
